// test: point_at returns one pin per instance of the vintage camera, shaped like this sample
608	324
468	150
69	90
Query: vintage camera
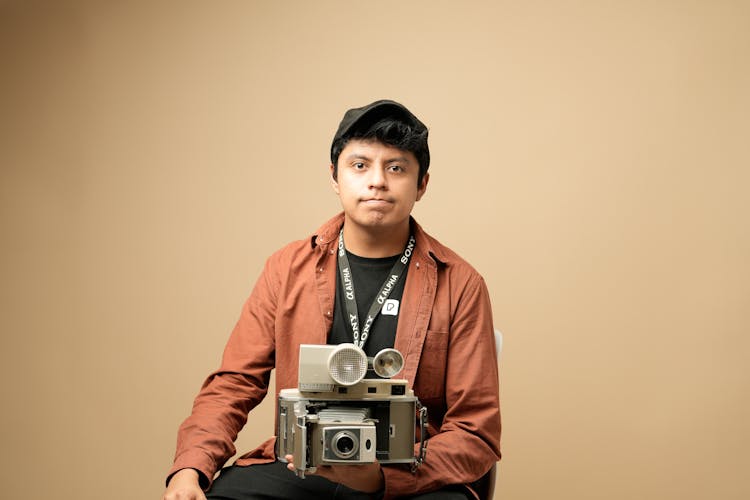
337	415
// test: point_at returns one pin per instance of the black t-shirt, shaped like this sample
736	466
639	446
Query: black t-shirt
368	275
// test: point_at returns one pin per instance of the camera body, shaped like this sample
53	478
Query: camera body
336	416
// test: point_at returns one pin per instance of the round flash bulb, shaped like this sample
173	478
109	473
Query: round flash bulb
347	364
387	363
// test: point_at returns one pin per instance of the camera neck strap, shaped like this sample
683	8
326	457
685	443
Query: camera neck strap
360	337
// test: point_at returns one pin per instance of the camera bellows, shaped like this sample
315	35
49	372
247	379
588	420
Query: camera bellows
343	414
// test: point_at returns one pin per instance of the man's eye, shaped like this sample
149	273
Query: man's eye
396	168
359	165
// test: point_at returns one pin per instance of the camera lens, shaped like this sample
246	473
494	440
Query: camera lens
344	444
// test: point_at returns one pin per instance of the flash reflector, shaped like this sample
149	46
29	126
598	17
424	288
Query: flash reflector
347	364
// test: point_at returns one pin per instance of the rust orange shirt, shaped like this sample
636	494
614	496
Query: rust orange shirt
445	334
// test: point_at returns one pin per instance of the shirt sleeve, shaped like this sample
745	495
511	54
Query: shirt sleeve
467	443
205	440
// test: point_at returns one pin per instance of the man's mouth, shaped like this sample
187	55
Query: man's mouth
376	201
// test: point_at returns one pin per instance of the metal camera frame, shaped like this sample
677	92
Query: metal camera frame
385	404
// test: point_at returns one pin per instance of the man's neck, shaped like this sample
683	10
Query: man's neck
375	243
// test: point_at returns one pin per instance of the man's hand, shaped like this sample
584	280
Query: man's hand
184	485
367	478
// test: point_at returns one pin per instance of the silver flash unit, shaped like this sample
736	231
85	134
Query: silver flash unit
338	416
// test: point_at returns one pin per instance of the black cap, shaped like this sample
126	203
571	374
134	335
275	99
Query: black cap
373	112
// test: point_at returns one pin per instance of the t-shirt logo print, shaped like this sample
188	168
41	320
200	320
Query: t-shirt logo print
390	307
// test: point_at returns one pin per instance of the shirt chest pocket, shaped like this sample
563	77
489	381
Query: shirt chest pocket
429	383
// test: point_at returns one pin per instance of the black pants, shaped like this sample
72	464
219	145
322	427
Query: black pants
274	482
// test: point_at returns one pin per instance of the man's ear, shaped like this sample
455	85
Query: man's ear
422	186
334	182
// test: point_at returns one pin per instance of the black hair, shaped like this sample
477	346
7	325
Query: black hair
391	131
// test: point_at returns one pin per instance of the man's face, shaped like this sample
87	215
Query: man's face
377	184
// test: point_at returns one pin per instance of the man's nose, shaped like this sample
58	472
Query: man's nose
377	177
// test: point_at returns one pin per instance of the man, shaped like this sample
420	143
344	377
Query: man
439	317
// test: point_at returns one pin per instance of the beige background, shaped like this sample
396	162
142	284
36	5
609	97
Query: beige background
589	158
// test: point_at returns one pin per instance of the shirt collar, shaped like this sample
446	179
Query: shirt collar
328	233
